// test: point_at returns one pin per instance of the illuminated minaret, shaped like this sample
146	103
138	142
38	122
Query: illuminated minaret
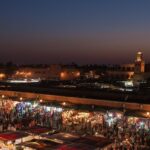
139	63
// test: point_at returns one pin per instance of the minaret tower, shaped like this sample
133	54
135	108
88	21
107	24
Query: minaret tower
139	63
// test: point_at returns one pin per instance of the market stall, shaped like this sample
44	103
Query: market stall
10	139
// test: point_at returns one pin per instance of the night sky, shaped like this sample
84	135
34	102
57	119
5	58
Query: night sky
81	31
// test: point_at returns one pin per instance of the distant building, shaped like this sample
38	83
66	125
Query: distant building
91	75
70	74
122	72
142	70
139	63
43	73
137	71
51	72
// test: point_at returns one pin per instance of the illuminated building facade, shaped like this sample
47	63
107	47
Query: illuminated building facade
139	63
46	73
121	72
43	73
137	71
69	74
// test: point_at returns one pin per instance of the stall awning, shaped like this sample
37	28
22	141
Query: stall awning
138	113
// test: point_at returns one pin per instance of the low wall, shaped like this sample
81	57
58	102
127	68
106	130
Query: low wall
77	100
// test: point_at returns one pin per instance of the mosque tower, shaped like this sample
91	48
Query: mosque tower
139	63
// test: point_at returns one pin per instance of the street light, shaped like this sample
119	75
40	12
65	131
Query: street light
3	96
64	103
41	100
148	113
21	98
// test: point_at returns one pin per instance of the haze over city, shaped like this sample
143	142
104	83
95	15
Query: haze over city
81	31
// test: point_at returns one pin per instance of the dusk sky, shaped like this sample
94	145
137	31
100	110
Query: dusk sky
81	31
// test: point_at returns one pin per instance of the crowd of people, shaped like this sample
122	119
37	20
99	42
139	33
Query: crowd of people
126	133
127	136
23	115
82	122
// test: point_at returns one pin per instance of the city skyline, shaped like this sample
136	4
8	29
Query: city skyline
84	32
